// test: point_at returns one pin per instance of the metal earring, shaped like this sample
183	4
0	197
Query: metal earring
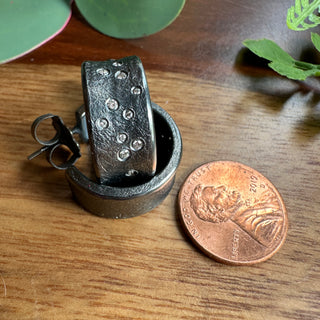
135	145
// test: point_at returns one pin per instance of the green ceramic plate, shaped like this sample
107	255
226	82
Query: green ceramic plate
27	24
129	19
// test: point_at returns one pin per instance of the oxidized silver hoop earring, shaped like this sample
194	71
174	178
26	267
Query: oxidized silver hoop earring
136	146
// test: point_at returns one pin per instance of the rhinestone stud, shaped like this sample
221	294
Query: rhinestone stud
124	154
121	75
132	173
137	144
112	104
122	137
117	64
102	124
128	114
136	90
103	71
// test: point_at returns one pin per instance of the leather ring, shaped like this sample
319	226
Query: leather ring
120	120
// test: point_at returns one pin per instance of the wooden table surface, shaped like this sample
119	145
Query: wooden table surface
57	261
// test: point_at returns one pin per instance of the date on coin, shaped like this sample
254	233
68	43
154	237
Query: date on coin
233	213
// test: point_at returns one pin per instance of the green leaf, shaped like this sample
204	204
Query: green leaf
302	15
281	61
130	18
27	24
315	40
267	49
292	72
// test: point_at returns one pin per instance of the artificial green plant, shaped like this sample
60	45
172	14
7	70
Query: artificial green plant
301	16
27	24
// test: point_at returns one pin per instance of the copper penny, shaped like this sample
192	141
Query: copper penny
233	213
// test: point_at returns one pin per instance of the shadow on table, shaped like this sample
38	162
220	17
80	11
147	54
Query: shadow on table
263	80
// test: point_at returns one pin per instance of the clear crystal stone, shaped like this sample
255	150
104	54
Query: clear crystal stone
128	114
103	71
124	154
117	64
122	137
121	75
137	144
112	104
132	173
136	90
102	124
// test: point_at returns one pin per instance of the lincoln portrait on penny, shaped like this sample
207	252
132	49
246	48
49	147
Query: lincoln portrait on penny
259	218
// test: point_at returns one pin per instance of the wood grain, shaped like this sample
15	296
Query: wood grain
59	262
